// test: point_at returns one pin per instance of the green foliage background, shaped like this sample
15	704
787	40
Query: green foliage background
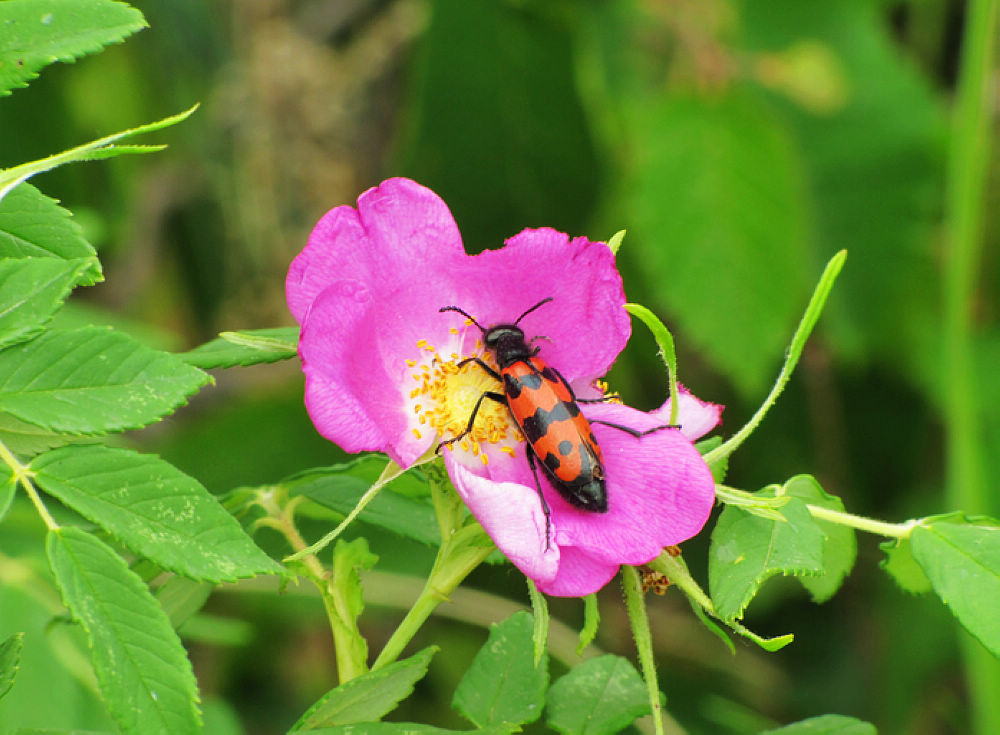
740	143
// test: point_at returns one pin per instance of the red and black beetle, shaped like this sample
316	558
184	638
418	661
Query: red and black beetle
545	408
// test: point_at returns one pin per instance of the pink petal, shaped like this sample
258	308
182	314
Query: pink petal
354	346
397	225
332	393
579	574
512	515
585	324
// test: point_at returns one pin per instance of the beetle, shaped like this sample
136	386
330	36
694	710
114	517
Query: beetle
546	410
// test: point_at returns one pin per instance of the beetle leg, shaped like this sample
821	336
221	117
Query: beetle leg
538	487
492	373
637	433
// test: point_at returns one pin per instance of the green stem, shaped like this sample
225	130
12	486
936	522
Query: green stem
464	546
636	606
282	520
870	525
802	333
456	559
967	174
22	474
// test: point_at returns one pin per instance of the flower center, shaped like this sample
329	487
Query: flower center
446	395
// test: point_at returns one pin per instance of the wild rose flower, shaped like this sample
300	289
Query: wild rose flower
380	361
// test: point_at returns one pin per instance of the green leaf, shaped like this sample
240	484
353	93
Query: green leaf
403	728
826	725
902	567
10	661
368	697
667	352
747	550
105	147
602	695
720	208
31	291
35	33
141	666
591	622
27	440
8	486
250	347
503	686
92	381
154	509
540	614
339	488
962	561
840	546
33	225
349	558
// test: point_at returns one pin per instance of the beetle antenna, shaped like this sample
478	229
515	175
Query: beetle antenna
465	314
543	301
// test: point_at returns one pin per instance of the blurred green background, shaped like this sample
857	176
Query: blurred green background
740	143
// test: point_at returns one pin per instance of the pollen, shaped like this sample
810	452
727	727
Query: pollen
445	396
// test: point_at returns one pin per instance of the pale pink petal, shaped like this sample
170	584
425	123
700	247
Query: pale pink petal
695	416
512	515
579	574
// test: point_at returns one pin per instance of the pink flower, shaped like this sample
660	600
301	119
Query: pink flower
380	365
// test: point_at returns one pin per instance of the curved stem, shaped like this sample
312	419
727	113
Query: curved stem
456	559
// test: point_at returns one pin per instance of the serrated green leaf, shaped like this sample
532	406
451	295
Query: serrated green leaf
31	290
349	558
250	347
8	486
27	440
403	728
34	226
840	546
141	666
962	561
368	697
92	381
10	660
35	33
106	147
154	509
720	207
747	550
826	725
902	567
591	622
339	489
602	695
503	686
